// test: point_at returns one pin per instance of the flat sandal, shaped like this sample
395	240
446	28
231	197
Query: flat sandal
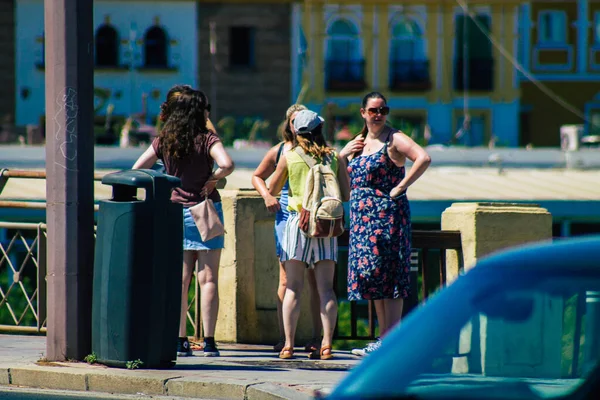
326	356
286	353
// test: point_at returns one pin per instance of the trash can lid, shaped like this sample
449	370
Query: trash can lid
139	178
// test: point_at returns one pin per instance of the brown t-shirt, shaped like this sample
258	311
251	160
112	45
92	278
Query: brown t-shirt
193	170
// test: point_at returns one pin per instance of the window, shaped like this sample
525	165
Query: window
407	42
408	66
343	43
344	65
107	46
241	46
552	27
155	48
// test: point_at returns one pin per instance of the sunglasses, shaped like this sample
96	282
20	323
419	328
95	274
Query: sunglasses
381	110
207	108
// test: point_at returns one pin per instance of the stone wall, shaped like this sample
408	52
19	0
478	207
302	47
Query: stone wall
249	274
260	91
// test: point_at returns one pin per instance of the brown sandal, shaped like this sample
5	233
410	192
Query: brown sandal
326	356
286	353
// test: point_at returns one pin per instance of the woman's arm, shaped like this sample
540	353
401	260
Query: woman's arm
279	177
343	178
146	160
421	160
225	167
261	174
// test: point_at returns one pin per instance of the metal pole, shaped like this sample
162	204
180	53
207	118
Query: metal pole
70	173
213	70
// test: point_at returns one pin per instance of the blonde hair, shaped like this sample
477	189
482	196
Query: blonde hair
284	129
314	143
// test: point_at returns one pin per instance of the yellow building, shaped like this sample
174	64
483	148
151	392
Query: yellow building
434	61
561	49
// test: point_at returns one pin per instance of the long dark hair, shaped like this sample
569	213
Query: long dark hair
185	123
172	94
365	100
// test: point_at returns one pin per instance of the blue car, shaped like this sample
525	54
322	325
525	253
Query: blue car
522	324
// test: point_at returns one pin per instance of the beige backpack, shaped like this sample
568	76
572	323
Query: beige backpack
322	214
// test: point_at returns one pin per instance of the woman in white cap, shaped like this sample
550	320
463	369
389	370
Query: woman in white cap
300	251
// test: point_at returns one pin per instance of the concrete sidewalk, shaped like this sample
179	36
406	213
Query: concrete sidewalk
242	372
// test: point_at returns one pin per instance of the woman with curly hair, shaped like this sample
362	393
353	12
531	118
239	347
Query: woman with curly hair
262	173
189	149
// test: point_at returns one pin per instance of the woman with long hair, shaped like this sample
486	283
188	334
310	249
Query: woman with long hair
262	173
299	251
189	149
380	226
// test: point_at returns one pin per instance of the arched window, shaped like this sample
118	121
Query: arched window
345	66
107	46
155	47
343	41
409	69
407	41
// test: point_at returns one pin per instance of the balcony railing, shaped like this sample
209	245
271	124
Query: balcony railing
410	75
345	75
479	74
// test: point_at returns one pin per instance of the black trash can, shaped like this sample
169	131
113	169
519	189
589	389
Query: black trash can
137	271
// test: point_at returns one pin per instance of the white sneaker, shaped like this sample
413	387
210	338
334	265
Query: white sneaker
371	347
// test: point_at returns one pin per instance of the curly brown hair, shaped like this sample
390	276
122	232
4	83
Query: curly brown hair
172	94
185	124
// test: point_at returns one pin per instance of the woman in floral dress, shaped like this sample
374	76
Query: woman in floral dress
380	227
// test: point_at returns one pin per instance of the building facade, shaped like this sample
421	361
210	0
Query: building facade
141	47
248	76
561	49
7	61
433	61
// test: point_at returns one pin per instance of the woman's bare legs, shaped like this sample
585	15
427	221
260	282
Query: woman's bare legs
189	262
381	316
324	273
315	310
208	278
291	302
280	295
393	313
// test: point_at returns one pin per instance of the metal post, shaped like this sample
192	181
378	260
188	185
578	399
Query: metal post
70	174
213	70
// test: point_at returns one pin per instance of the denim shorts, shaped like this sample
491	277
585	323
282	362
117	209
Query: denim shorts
191	234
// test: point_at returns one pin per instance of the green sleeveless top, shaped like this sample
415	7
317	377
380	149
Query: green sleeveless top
297	174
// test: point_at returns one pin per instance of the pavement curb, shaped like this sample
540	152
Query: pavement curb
269	391
62	377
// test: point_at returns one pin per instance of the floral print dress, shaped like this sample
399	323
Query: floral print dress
380	230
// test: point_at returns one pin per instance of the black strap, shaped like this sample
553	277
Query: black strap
279	153
390	133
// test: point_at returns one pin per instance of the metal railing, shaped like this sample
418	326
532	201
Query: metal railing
424	244
23	263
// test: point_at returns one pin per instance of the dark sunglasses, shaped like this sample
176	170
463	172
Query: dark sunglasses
207	108
381	110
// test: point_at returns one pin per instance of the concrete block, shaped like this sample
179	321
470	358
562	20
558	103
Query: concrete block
124	384
49	378
269	391
207	389
4	376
